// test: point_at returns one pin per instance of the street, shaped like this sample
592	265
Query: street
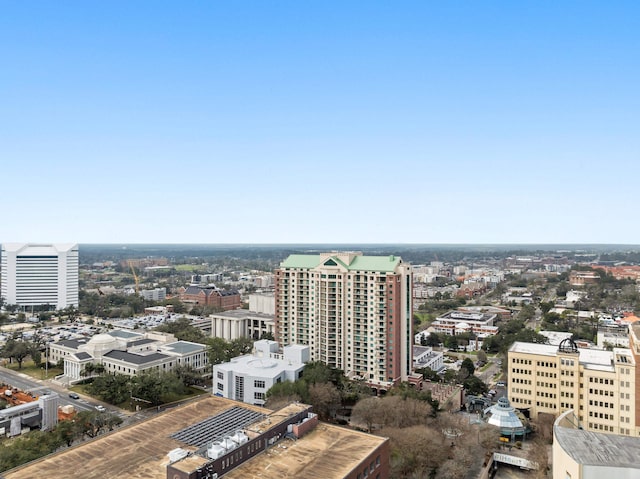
37	387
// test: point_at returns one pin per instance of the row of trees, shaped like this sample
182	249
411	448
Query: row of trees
36	444
18	350
324	387
150	387
423	443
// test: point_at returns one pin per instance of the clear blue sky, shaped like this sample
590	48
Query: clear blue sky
319	121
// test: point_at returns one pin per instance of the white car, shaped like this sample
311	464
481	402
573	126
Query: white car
100	408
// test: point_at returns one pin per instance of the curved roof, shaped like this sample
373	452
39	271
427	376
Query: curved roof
102	339
503	415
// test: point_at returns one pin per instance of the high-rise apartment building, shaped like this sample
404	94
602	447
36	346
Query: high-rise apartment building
39	274
599	386
354	312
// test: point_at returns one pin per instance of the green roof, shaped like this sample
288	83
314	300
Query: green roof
301	261
359	263
374	263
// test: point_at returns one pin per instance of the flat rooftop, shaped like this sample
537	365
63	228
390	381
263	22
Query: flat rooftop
138	451
141	450
325	452
595	359
241	314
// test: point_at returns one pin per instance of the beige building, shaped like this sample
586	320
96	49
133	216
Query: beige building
599	385
354	311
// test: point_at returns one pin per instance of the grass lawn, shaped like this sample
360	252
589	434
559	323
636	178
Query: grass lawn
187	267
30	369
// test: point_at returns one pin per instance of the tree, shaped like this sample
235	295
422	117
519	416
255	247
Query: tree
187	375
367	411
87	370
16	349
183	330
239	347
467	364
268	336
68	431
409	458
527	312
434	340
151	386
289	391
112	388
325	399
319	372
482	356
217	350
474	386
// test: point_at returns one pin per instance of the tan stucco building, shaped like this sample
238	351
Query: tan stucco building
599	385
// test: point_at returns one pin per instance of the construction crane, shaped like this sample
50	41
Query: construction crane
135	277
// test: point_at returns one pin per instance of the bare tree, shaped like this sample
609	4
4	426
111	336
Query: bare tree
325	399
367	411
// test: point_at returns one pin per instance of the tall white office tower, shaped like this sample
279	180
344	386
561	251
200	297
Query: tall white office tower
39	274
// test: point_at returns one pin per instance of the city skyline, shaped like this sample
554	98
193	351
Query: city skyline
485	123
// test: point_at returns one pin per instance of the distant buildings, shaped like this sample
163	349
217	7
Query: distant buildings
248	378
156	294
37	275
211	296
582	278
353	311
601	386
457	322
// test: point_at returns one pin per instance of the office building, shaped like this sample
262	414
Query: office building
599	385
354	312
36	275
247	378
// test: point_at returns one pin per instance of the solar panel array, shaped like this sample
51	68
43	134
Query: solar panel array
218	426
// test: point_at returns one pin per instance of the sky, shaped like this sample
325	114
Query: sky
320	122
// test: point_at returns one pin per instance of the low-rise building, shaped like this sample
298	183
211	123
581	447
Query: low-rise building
241	323
211	296
426	357
215	437
126	352
248	378
156	294
456	322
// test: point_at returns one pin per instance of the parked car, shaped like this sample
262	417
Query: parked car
74	396
100	408
501	384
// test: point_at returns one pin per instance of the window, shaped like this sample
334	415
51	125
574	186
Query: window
259	396
220	387
220	375
258	384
